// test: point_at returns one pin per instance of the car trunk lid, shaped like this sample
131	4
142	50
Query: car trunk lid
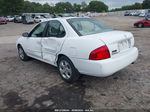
116	41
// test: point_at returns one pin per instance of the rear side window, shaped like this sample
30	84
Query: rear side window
55	29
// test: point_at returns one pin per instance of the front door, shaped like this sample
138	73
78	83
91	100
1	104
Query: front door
53	40
33	42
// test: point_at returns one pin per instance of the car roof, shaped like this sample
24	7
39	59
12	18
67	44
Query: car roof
64	18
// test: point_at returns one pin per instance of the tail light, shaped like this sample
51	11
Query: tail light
100	53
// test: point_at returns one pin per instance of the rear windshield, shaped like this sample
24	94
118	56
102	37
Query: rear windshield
87	26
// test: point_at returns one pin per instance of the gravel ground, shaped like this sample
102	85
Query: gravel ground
34	84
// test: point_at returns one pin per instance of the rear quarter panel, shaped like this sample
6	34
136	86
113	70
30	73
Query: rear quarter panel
80	47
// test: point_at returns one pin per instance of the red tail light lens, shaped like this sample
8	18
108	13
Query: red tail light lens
100	53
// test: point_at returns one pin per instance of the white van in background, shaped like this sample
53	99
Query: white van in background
142	13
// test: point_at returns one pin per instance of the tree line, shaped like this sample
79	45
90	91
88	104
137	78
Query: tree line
12	7
144	5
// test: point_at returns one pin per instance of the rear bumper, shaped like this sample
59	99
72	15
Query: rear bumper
104	68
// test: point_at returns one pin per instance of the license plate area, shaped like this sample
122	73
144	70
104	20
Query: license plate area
124	45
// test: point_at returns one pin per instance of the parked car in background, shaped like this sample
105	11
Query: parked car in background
143	23
59	16
142	14
18	19
127	14
66	15
47	17
10	18
53	15
60	41
147	14
27	20
137	13
38	19
132	13
3	20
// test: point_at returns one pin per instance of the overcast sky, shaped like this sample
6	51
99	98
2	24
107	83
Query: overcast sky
110	3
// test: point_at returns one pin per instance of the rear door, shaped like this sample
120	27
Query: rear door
53	40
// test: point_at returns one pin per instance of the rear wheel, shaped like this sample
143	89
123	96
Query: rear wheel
141	25
67	70
22	55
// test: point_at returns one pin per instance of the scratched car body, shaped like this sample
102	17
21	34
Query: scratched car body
78	46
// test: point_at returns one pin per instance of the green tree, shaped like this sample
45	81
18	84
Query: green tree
1	7
37	7
129	7
146	4
76	7
12	6
46	8
97	6
63	7
84	6
137	6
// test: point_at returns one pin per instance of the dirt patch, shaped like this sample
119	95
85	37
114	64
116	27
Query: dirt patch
12	100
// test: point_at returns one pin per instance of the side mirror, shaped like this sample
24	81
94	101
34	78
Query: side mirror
25	34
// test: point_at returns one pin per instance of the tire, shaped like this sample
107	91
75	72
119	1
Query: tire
22	55
141	25
67	70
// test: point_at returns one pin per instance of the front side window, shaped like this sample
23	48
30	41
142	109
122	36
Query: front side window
38	30
55	29
87	26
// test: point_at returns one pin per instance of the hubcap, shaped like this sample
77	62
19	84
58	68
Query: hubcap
21	53
65	69
140	25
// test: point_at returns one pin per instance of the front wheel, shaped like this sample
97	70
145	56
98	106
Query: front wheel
140	25
67	70
22	55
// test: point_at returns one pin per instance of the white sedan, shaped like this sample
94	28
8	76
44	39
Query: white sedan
78	46
38	19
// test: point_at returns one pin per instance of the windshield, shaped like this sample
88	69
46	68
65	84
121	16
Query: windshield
87	26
